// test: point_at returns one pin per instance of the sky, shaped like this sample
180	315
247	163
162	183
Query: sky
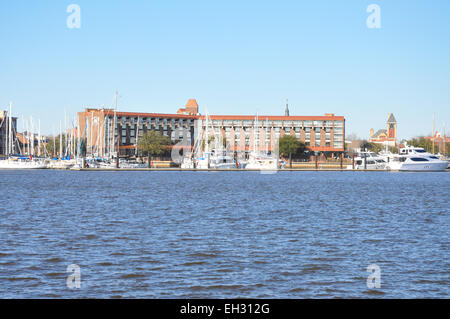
234	57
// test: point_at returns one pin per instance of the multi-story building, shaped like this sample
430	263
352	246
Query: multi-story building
106	131
323	134
440	142
4	129
243	133
386	137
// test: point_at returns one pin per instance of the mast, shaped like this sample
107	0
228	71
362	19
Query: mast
255	125
32	135
27	138
10	130
137	137
54	141
114	126
445	143
79	141
432	136
23	130
207	133
60	140
39	137
91	133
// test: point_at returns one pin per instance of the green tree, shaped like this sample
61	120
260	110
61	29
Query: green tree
289	145
52	147
374	147
421	141
152	144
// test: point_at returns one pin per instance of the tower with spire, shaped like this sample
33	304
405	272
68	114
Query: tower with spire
286	112
387	136
392	126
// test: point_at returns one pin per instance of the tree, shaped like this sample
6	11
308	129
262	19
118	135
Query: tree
52	146
422	142
289	145
352	137
370	146
152	144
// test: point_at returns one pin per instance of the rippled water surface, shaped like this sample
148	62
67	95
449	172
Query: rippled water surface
224	234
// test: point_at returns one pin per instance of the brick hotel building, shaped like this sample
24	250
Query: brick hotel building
324	134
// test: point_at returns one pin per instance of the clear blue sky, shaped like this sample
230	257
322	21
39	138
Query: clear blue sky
234	57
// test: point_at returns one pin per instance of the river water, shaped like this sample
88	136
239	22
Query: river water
224	234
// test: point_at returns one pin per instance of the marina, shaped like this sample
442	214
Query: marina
226	159
207	142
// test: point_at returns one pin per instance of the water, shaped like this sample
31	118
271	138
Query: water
224	234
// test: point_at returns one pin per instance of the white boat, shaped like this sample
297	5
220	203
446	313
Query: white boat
261	162
368	160
61	164
128	164
416	159
203	162
222	162
187	163
22	163
209	155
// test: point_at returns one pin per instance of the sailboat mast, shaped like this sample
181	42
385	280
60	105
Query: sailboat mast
10	130
32	135
432	136
60	140
39	137
137	137
54	141
207	133
114	126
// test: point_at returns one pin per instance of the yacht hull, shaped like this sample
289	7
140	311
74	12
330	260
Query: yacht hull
12	165
424	167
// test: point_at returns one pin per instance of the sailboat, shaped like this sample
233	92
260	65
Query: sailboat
17	161
260	160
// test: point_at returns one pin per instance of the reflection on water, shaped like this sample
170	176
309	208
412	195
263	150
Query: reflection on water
224	234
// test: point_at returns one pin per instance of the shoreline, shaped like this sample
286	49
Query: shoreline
233	170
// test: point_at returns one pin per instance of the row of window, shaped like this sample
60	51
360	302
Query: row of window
278	123
147	121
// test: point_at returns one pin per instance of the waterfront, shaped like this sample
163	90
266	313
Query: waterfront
224	235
